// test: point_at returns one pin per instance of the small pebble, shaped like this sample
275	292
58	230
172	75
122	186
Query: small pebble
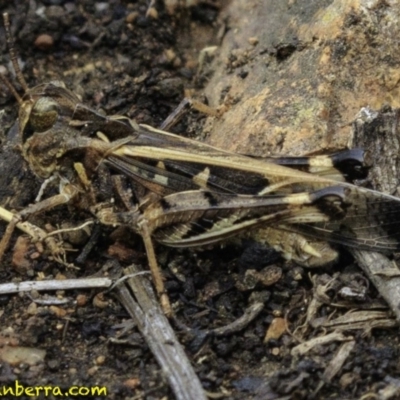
18	355
152	13
44	42
81	300
100	360
131	17
275	351
32	309
132	383
253	41
91	371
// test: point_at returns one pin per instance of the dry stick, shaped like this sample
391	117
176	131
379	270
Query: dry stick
160	337
335	365
50	285
382	273
242	322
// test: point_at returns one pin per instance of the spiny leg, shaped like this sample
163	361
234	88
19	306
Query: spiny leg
16	220
5	240
36	233
135	219
154	268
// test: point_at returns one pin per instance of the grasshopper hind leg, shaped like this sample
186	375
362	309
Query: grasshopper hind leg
295	247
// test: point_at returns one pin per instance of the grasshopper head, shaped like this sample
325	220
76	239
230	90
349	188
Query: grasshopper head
43	106
43	128
42	111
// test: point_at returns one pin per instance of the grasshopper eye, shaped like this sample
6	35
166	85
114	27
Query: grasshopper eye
44	114
37	117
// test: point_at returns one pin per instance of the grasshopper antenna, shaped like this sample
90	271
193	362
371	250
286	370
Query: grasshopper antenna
11	88
13	57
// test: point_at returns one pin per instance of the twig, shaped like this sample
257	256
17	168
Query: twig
380	270
305	347
336	364
7	288
160	337
236	326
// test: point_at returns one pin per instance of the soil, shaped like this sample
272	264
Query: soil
121	61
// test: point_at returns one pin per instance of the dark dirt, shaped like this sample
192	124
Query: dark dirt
123	62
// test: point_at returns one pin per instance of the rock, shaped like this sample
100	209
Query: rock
314	66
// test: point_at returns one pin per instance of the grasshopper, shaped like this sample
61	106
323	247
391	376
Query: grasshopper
186	193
